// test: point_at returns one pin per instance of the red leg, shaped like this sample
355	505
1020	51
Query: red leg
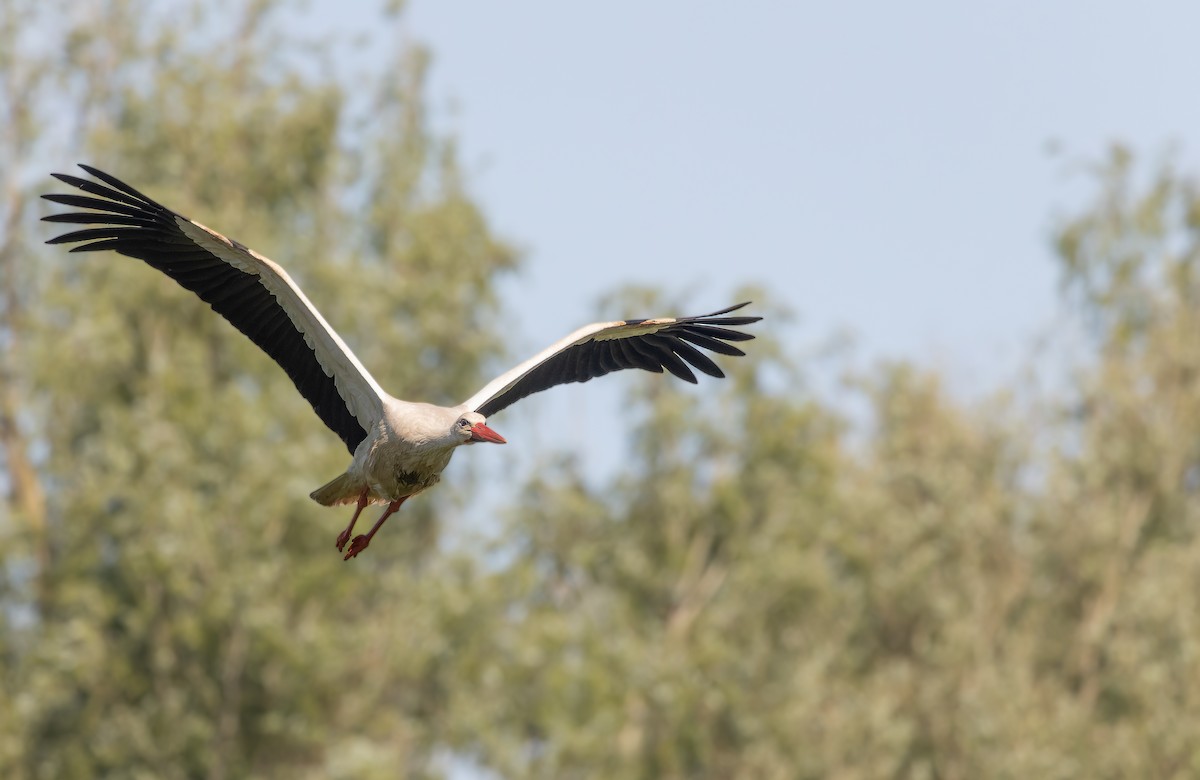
362	540
344	536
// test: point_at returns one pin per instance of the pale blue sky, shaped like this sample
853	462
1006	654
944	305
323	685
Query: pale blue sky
883	167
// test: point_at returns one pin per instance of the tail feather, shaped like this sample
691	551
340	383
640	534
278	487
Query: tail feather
344	489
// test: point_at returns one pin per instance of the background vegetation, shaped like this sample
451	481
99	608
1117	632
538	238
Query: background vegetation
1003	588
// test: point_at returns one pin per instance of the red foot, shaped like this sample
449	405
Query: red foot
362	540
358	545
343	537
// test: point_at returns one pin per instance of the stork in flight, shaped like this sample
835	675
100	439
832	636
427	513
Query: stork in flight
399	447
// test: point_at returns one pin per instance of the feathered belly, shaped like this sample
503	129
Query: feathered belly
395	478
409	483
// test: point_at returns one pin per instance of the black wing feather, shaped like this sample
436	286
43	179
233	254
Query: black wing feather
648	352
675	348
635	358
725	334
97	204
695	358
709	343
670	360
609	362
100	219
138	227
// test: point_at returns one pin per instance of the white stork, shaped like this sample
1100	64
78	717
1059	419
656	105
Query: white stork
399	447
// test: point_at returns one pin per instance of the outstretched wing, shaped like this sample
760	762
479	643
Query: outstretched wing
673	343
253	293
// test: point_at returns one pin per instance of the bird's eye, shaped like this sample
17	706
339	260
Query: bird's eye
464	423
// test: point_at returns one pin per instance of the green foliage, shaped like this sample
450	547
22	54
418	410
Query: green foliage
999	590
193	617
768	588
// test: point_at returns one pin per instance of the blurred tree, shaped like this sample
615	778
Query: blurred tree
194	619
1121	513
768	589
751	597
955	591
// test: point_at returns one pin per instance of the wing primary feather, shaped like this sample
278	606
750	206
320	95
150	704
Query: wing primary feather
724	320
670	360
725	334
97	246
85	218
116	183
103	232
695	357
653	362
709	343
95	204
719	312
104	192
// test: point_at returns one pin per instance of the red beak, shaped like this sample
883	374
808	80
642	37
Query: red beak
480	432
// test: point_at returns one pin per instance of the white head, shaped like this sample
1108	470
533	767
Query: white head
469	428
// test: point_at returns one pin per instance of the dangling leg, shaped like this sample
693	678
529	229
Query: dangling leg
344	536
362	540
